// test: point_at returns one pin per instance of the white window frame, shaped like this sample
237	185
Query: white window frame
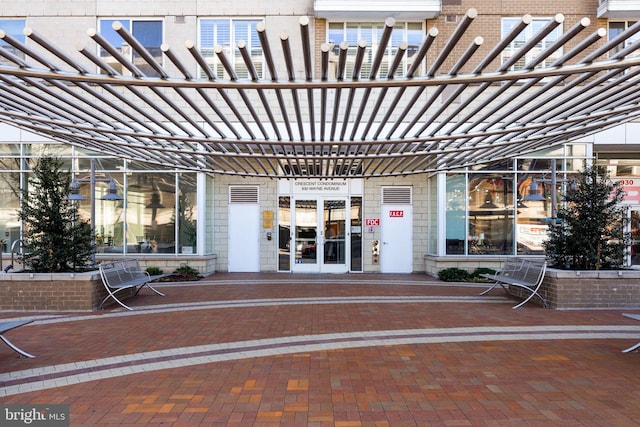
527	34
372	46
19	35
230	47
126	50
625	26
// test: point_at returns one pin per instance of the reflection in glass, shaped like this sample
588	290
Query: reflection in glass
187	213
334	231
455	219
533	214
491	214
284	233
306	220
634	249
13	28
150	213
108	213
9	205
148	33
356	233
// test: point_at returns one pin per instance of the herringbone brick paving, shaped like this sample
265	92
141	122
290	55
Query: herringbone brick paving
352	350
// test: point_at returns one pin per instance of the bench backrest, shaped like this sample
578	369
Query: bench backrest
117	272
511	266
529	271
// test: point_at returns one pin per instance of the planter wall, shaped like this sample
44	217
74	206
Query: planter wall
604	289
51	292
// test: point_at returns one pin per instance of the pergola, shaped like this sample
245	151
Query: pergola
323	127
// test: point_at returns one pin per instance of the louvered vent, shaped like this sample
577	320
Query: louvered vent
243	194
396	195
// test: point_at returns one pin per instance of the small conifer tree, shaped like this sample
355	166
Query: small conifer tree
590	231
55	238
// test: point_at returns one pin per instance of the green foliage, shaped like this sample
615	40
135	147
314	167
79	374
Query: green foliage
154	271
453	274
589	233
55	238
187	273
475	276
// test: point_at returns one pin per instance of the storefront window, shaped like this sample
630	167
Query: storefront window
187	213
534	211
109	213
537	198
9	205
455	219
491	214
150	213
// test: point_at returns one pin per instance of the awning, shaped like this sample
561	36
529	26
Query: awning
299	125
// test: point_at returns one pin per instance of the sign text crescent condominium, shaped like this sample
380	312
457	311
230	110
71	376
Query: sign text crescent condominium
327	187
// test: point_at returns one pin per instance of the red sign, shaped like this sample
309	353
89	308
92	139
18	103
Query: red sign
372	222
631	189
396	214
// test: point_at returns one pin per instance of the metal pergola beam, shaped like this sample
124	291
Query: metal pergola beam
345	125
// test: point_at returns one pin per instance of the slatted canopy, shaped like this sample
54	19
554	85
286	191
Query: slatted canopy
322	127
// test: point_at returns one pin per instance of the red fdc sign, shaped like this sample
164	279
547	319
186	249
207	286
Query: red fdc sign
372	222
396	214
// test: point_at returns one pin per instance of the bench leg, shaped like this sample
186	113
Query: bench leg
632	348
113	295
16	349
533	293
150	287
486	291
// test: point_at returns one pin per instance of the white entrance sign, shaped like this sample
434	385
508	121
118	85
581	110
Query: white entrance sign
325	187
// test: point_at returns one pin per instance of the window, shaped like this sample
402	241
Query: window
491	214
187	213
527	34
12	27
147	32
227	33
615	29
352	32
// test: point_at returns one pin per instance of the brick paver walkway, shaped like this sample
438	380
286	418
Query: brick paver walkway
343	350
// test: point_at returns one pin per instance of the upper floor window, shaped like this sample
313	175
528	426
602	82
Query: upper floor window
12	27
527	34
227	33
353	32
617	28
147	32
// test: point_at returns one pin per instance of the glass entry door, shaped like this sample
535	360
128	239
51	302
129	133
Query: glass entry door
320	235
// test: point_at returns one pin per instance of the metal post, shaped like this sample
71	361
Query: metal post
553	191
93	210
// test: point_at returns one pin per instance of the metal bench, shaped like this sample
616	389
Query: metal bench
521	273
7	326
635	346
119	276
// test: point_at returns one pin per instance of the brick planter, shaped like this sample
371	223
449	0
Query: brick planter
51	292
604	289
